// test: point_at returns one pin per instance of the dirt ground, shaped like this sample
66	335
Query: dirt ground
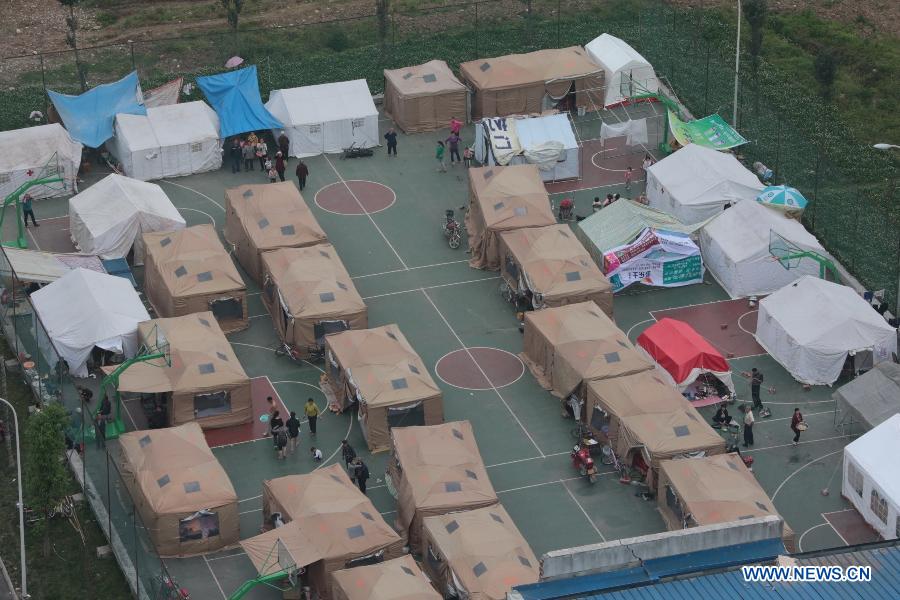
40	25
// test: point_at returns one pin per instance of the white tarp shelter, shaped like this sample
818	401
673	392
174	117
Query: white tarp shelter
109	218
872	480
735	247
812	326
547	141
83	309
28	153
695	183
169	141
326	118
868	400
628	73
46	267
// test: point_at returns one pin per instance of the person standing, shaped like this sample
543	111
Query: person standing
455	126
795	425
100	430
756	380
648	162
347	453
629	175
360	473
28	210
270	170
453	141
748	426
439	156
391	137
235	154
280	165
279	436
468	155
312	414
302	173
271	409
293	427
262	153
284	144
248	152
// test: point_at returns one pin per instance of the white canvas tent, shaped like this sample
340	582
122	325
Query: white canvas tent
83	309
735	247
327	117
871	479
169	141
812	326
26	154
695	183
547	141
628	73
109	218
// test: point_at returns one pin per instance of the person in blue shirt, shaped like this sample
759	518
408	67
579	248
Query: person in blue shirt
28	210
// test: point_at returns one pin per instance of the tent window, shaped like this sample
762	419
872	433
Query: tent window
414	369
326	297
163	481
144	441
407	76
196	147
342	286
499	205
479	569
407	570
315	129
761	506
4	178
227	308
356	531
206	368
879	506
520	211
165	242
856	479
247	194
369	559
204	276
210	405
488	174
733	466
180	271
221	356
325	254
485	66
681	431
191	487
412	415
399	384
452	486
497	518
338	479
367	515
573	276
200	525
391	335
458	434
612	357
471	474
263	223
203	322
451	526
525	562
429	78
288	230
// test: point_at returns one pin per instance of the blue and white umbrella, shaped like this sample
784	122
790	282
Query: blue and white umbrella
782	197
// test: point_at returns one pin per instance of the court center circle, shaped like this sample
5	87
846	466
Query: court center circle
458	368
355	197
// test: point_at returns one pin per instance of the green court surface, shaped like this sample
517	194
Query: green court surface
408	275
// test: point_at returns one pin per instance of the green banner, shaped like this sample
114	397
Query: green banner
710	132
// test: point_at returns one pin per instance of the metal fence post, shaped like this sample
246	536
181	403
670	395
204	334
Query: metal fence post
108	495
812	216
706	82
476	29
44	85
558	17
778	133
133	64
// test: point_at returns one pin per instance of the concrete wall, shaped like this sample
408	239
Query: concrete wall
631	552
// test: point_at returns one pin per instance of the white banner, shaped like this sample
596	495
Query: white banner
501	134
660	258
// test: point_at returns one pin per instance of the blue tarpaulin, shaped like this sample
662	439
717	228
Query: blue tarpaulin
235	96
90	117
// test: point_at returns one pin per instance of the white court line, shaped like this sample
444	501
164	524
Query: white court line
249	499
813	461
521	460
363	208
828	439
584	512
833	528
630	329
190	189
430	287
197	210
763	421
241	553
451	262
800	541
33	239
216	579
272	350
483	374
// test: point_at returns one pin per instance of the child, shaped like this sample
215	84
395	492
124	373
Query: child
439	156
468	155
281	440
316	454
629	175
596	204
270	169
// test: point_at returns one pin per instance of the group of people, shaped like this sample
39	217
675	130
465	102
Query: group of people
253	149
451	144
286	439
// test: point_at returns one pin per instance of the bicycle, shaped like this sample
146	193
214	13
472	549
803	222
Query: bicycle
166	588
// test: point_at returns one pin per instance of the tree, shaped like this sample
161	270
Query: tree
72	38
382	10
46	479
825	70
756	13
233	12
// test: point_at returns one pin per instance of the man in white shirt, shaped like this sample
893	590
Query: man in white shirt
316	454
748	426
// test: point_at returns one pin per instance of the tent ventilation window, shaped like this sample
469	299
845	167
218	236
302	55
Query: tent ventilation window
452	486
744	517
196	147
163	481
452	526
488	174
391	335
761	506
144	441
429	78
458	434
221	356
4	178
165	242
879	506
407	570
325	254
263	223
497	518
520	211
210	405
407	76
247	194
342	286
681	431
484	66
356	531
367	515
180	271
399	384
206	368
691	416
525	562
326	297
204	276
479	569
203	322
733	467
573	276
855	478
191	486
499	205
612	357
288	230
413	369
471	474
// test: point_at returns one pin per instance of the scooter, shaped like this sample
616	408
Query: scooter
451	228
733	444
584	462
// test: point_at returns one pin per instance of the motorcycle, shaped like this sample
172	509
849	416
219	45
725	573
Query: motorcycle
451	228
566	208
584	462
354	151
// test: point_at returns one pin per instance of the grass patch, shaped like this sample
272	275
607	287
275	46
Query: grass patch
72	568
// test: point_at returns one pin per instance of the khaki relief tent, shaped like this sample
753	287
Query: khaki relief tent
478	554
379	371
330	525
205	382
566	346
188	271
710	490
265	217
436	471
518	84
184	496
398	579
503	199
551	266
309	294
424	97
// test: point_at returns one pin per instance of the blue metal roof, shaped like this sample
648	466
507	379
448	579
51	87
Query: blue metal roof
885	584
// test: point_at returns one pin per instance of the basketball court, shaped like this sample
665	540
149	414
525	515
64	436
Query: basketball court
383	215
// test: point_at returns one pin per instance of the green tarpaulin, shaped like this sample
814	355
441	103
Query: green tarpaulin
710	132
